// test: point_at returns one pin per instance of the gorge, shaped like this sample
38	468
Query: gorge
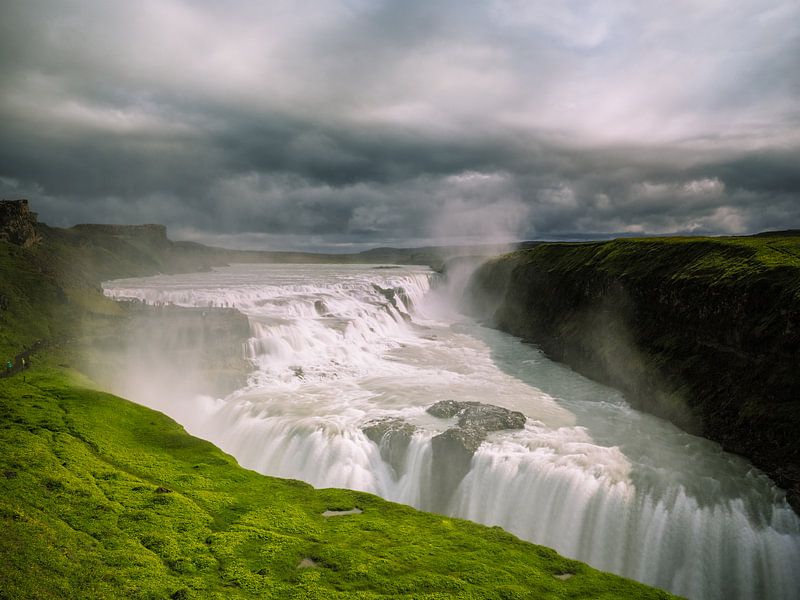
339	350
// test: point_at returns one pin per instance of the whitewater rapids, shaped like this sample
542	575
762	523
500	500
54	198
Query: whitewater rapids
337	346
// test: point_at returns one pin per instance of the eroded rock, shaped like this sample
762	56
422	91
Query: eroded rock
477	415
392	437
321	308
453	450
392	295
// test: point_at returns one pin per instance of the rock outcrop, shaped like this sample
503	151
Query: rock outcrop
454	448
18	224
474	415
392	437
392	295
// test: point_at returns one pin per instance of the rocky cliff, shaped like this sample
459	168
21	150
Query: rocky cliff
704	332
18	224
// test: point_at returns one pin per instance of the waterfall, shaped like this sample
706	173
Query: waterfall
338	347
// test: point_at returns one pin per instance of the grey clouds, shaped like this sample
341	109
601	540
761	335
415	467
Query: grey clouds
352	123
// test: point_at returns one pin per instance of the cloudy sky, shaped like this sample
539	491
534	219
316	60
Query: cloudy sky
344	124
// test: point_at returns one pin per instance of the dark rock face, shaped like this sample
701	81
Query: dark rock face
392	295
452	458
716	354
18	224
453	449
392	437
446	409
474	415
321	308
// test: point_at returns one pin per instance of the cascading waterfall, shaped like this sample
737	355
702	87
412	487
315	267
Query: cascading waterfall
337	347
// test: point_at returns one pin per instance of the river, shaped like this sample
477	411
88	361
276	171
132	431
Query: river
336	347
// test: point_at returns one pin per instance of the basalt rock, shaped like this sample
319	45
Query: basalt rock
453	450
392	437
321	308
18	224
475	415
392	295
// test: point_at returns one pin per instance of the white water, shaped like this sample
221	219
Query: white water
588	476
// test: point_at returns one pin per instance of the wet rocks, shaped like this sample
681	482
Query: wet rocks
18	225
453	449
392	295
445	409
475	415
452	457
321	308
392	437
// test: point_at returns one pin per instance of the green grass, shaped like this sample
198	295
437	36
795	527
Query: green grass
102	498
717	260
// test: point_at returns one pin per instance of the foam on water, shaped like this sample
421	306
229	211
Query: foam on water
335	347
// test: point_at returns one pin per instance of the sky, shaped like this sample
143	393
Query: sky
340	125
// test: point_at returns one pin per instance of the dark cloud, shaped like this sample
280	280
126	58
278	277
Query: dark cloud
354	122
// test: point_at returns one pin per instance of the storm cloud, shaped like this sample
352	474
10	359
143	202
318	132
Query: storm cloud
352	123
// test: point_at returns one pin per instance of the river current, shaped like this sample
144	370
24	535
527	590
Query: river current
335	347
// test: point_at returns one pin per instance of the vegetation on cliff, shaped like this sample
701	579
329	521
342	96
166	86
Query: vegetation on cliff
102	498
703	331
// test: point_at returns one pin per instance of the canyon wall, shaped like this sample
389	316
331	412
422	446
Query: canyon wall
704	332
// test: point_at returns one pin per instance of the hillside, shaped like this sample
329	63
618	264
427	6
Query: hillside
102	498
702	331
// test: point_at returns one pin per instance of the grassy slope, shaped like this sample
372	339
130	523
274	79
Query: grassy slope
102	498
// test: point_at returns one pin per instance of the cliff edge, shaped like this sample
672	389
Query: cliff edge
702	331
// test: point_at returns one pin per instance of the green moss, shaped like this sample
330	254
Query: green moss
104	498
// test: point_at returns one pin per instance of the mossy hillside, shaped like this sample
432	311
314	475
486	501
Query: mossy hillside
102	498
721	261
52	291
48	290
703	331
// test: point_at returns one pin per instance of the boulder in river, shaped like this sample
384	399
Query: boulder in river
453	449
392	437
394	294
487	417
321	308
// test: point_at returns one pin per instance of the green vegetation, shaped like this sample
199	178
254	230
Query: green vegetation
102	498
715	260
